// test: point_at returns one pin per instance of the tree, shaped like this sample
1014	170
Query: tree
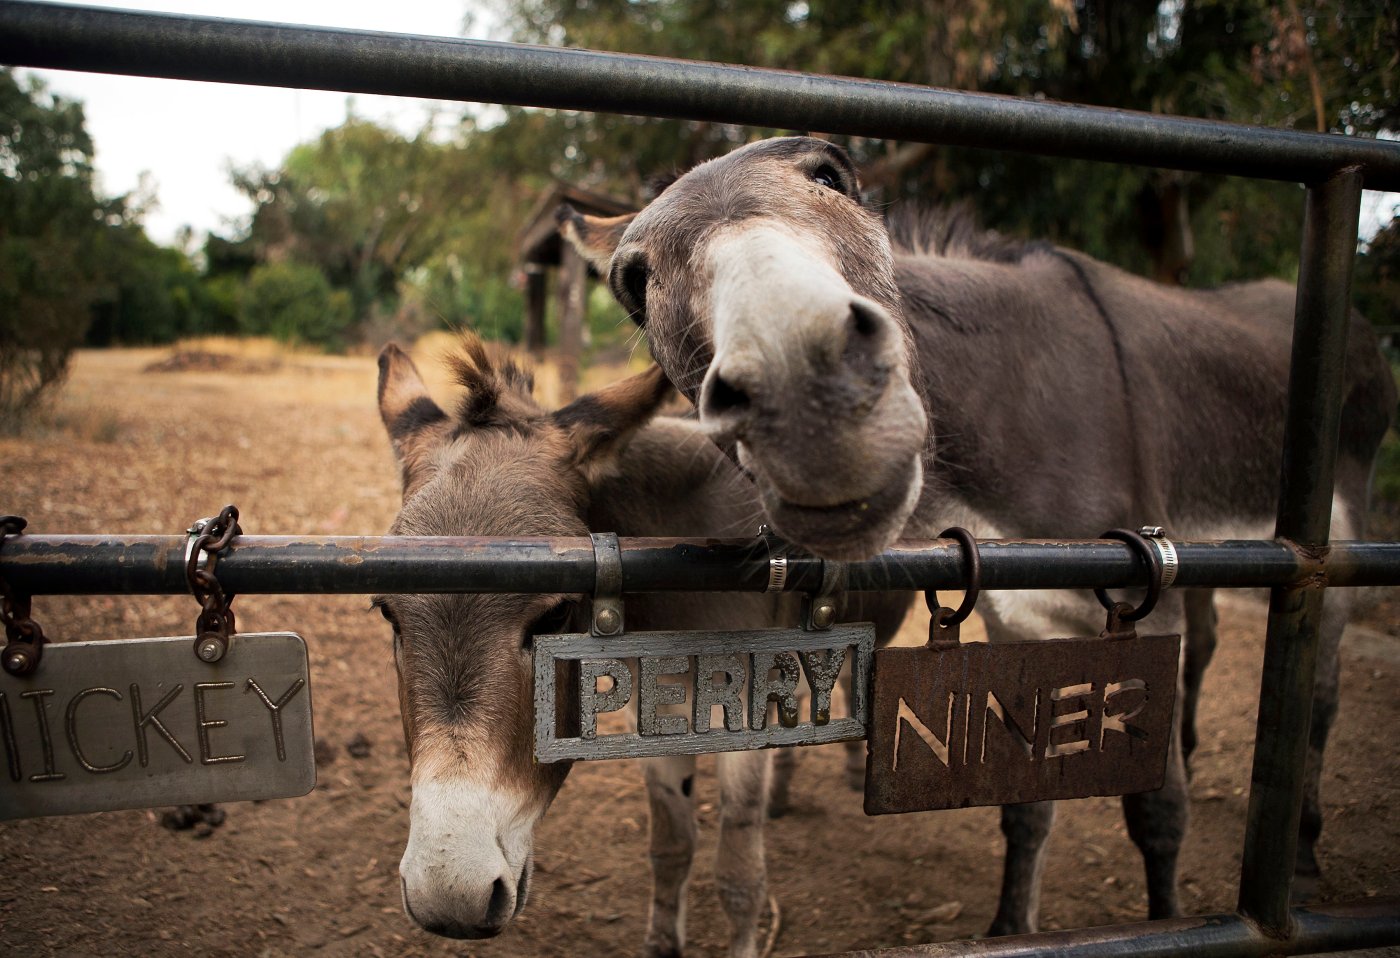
294	303
1324	64
51	223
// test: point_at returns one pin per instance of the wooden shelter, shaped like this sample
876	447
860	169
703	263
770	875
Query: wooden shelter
540	247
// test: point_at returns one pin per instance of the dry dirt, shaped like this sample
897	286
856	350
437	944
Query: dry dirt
297	445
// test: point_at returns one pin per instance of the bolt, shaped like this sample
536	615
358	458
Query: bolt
607	621
211	650
17	662
823	615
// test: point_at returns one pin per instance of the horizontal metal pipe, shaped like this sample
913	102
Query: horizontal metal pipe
78	565
1321	928
240	51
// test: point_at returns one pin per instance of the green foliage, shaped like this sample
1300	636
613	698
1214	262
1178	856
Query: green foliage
1376	283
293	303
1315	64
155	297
51	225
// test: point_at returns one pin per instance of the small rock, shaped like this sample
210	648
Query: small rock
358	747
324	752
942	914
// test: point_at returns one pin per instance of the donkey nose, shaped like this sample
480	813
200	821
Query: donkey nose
851	346
457	919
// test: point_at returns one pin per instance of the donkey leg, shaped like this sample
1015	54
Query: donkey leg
1307	874
1157	825
1157	820
1026	828
785	766
780	792
1201	623
670	790
740	869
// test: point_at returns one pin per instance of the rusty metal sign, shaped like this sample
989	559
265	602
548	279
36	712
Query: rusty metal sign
680	681
140	723
978	724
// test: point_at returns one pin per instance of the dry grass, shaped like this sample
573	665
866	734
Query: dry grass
301	451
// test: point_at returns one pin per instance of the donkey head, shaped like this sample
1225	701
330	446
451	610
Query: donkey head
767	293
500	466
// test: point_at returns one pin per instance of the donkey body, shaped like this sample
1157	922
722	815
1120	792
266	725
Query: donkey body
503	466
881	381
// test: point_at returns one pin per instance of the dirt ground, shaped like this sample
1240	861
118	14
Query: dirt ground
296	443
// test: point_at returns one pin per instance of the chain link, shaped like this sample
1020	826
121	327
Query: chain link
215	626
24	639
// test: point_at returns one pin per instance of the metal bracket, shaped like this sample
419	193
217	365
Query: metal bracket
819	608
1166	550
606	618
777	560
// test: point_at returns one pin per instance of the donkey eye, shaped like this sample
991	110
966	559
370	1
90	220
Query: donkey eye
388	614
827	176
551	622
628	280
634	281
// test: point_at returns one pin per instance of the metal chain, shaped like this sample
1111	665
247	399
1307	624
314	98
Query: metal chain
24	639
215	626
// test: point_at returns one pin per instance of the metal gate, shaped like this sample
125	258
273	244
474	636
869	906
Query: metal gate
1298	565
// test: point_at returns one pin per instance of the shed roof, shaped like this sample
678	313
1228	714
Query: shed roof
538	241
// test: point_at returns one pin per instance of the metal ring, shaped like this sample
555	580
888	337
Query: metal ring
973	560
1154	575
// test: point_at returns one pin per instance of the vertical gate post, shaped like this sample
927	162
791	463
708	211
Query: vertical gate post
572	293
1304	517
534	310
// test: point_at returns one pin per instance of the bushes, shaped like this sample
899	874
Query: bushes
293	302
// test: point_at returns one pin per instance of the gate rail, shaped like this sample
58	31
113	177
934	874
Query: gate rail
286	565
1333	168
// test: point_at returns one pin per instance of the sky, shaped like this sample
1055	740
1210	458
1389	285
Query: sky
185	136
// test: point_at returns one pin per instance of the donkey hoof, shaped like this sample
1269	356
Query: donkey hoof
1001	928
654	949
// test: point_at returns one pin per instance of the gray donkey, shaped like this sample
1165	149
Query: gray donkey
879	380
504	466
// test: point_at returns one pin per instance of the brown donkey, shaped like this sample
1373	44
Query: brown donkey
504	466
884	379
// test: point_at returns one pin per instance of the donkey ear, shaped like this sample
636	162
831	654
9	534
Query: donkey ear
600	422
411	417
595	238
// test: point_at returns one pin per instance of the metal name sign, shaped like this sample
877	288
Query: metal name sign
740	673
142	722
978	724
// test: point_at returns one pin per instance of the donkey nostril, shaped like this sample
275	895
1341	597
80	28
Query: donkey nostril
501	905
725	397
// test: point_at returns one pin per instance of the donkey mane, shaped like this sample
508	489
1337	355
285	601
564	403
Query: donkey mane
952	231
499	391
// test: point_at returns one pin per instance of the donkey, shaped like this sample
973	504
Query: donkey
883	379
504	466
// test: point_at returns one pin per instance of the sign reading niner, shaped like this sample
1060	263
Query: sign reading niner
681	679
140	723
976	724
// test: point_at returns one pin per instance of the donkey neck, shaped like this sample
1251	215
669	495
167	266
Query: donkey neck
671	480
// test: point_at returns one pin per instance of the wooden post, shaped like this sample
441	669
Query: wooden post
534	309
573	296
